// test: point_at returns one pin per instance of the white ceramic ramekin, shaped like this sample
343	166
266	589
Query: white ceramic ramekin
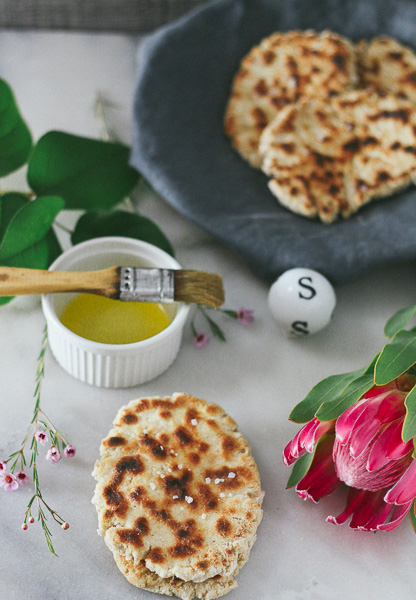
112	365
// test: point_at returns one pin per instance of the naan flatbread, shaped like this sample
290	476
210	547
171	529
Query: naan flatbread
178	491
283	68
344	152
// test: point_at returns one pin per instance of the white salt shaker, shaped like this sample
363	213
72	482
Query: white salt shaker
302	302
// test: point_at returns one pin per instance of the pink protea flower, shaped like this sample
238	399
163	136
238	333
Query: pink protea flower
53	454
9	481
362	450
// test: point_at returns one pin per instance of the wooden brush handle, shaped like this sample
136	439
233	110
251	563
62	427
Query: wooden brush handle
18	282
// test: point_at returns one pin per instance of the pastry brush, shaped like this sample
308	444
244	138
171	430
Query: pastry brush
131	284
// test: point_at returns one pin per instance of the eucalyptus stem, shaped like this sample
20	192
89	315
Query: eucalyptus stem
108	135
63	227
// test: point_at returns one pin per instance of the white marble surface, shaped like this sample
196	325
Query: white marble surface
257	376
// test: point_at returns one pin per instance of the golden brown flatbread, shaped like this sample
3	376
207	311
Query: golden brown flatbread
178	494
341	153
283	68
387	65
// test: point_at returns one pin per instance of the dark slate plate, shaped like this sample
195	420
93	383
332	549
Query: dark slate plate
178	143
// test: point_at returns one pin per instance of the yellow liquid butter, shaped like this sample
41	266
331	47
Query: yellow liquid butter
109	321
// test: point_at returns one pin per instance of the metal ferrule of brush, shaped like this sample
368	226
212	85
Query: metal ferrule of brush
146	284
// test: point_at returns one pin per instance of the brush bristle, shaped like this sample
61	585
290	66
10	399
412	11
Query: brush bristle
199	287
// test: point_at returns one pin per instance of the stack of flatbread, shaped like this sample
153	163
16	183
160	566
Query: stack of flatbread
331	123
178	496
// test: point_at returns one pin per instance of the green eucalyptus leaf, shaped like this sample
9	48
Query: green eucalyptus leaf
29	225
88	174
399	320
327	390
409	425
15	137
119	223
397	357
300	468
332	409
10	204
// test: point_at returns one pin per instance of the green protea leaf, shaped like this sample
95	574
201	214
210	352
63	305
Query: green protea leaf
399	320
300	468
397	357
409	425
412	515
327	391
332	409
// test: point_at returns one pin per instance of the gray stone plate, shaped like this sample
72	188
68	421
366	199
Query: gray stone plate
183	84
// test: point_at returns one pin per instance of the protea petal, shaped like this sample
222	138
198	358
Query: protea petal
354	472
369	512
361	438
353	499
380	516
305	440
321	479
388	445
370	508
364	429
346	421
404	490
398	515
379	389
397	448
293	449
391	407
377	457
315	434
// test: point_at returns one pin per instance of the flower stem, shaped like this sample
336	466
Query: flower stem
42	507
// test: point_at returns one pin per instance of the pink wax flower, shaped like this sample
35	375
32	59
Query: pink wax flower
22	477
53	454
3	466
245	315
69	451
362	450
201	340
9	481
41	437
